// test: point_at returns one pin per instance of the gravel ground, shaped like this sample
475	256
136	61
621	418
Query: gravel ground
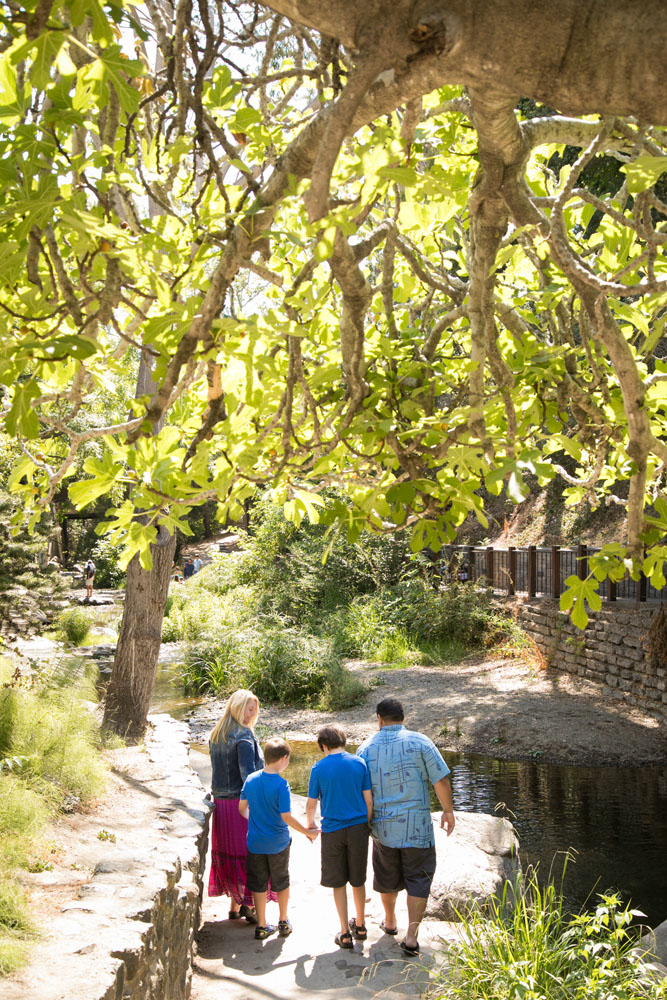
503	708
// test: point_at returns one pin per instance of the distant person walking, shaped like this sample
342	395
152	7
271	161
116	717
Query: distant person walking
402	765
198	564
89	576
235	754
188	569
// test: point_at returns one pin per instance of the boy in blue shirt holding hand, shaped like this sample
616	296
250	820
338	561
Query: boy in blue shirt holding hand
344	788
265	802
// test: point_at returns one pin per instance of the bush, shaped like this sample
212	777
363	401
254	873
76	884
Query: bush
527	946
73	625
281	665
48	751
193	613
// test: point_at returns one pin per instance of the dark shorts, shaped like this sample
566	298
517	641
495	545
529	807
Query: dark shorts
396	868
345	856
264	868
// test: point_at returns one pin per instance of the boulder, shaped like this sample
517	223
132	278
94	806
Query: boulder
652	950
473	864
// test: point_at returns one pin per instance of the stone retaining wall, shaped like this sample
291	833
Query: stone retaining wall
120	910
153	953
611	650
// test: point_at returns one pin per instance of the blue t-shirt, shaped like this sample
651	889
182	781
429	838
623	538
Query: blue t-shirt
268	795
339	780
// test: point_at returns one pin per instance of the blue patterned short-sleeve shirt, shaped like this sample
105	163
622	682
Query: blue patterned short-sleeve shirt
402	765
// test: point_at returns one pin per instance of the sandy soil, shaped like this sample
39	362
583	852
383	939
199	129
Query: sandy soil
502	708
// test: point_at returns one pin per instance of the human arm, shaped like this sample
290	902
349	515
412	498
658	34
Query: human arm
245	755
296	825
368	796
244	808
443	790
311	808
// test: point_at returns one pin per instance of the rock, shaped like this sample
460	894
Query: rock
654	946
473	865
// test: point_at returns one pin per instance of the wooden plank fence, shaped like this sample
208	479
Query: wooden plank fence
537	572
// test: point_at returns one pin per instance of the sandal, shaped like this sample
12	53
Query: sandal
234	915
264	932
358	930
410	949
388	930
249	913
284	928
344	939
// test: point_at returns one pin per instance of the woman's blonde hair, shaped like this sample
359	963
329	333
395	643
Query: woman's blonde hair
233	714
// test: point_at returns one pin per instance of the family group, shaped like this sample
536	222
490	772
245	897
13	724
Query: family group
382	791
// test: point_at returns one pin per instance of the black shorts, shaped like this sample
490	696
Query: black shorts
264	868
396	868
345	856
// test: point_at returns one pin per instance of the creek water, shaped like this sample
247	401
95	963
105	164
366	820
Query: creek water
612	821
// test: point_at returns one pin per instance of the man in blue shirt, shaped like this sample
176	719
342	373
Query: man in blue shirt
266	803
343	785
402	764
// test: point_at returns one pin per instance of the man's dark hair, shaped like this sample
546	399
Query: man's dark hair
275	749
390	710
331	737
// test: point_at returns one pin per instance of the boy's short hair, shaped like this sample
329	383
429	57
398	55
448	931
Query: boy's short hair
275	749
390	710
331	737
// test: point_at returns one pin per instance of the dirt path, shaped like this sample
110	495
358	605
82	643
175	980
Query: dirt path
502	708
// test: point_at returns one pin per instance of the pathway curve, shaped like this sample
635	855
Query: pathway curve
231	964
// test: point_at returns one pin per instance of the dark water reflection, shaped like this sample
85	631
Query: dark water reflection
615	819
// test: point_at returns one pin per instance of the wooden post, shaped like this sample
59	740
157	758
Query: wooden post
555	571
469	551
511	579
489	565
532	571
641	588
582	561
611	590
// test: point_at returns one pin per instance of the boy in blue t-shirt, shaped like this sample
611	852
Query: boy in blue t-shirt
344	789
265	803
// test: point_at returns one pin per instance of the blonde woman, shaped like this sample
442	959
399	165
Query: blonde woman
235	753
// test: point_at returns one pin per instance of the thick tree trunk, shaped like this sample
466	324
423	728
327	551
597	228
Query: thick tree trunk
133	678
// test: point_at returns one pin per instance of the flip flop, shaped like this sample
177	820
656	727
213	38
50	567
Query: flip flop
358	931
344	939
410	949
388	930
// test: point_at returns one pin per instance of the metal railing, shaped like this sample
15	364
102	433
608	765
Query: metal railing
538	572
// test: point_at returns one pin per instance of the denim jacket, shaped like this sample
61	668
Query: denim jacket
233	761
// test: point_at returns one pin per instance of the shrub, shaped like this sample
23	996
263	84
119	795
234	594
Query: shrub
195	613
281	665
527	946
48	750
73	625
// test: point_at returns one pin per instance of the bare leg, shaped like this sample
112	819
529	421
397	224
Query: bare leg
359	895
340	899
416	908
283	900
389	903
234	907
260	908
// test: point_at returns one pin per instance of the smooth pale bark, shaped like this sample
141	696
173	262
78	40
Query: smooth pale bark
580	56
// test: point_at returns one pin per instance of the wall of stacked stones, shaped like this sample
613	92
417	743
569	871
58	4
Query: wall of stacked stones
620	649
135	920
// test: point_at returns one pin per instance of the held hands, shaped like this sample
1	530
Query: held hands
313	833
447	821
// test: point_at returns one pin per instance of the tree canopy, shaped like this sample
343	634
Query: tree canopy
411	250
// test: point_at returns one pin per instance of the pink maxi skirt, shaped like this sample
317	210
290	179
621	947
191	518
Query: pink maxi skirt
229	831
